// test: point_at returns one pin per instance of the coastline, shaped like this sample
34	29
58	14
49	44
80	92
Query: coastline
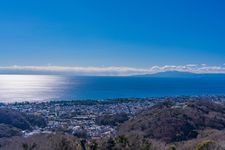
121	100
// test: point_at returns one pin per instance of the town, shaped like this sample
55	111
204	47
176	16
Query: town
90	118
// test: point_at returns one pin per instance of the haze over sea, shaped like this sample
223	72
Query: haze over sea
18	88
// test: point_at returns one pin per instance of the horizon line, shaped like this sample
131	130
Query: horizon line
112	70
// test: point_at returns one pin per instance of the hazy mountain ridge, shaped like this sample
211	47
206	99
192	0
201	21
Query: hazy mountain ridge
180	74
165	74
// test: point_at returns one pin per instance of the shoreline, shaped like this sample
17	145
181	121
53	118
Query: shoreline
118	100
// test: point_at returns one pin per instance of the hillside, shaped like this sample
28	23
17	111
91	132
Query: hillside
14	118
13	122
9	131
173	122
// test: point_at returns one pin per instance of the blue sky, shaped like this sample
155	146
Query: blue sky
118	33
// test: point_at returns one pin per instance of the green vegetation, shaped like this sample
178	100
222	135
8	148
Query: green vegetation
29	147
206	145
112	120
172	147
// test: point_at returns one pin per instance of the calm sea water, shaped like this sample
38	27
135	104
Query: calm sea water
43	88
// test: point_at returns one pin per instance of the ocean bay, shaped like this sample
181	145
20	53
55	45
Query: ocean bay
19	88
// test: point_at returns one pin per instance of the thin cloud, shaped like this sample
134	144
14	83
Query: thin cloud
123	71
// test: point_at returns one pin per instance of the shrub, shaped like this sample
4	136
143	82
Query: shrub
206	145
172	147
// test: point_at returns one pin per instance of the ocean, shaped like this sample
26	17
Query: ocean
19	88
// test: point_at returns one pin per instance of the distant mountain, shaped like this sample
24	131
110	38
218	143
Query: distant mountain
179	74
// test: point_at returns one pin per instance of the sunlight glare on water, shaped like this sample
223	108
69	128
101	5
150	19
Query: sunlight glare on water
19	88
30	87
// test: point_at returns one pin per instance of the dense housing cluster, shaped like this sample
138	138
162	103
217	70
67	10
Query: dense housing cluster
82	118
